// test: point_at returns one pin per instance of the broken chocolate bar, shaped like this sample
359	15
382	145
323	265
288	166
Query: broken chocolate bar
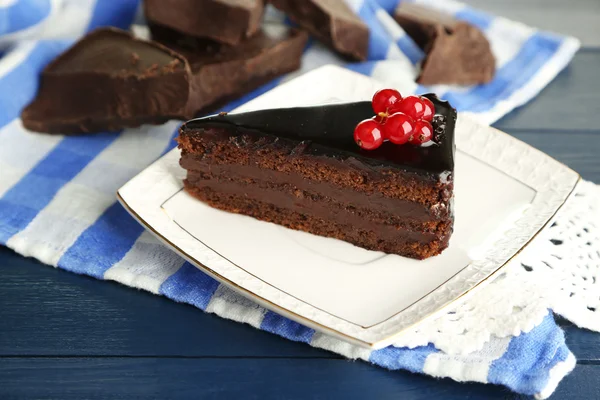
109	81
456	52
225	21
221	72
332	22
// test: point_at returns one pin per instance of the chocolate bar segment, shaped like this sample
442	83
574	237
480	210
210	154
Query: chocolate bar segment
221	72
225	21
109	81
332	22
456	52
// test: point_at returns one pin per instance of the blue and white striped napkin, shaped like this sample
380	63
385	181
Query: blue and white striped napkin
57	194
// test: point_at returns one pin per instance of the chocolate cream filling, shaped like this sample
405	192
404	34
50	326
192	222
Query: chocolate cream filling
374	202
296	202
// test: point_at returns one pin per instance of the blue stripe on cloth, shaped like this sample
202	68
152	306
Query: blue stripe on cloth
289	329
534	54
22	81
388	5
113	13
479	19
365	68
526	364
20	205
379	40
402	358
103	244
23	14
410	49
190	285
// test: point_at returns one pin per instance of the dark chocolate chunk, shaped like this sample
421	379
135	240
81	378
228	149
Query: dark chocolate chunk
332	22
226	21
109	81
222	72
456	52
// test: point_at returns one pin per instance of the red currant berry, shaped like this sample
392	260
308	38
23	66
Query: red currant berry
399	128
380	119
384	99
429	109
412	106
368	134
423	132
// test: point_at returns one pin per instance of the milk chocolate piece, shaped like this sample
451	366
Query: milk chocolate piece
221	72
109	81
332	22
456	52
225	21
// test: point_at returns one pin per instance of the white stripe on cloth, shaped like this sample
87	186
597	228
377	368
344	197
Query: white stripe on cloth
228	304
387	72
448	6
506	39
15	57
348	350
80	202
394	54
472	367
37	31
7	3
20	152
146	266
75	17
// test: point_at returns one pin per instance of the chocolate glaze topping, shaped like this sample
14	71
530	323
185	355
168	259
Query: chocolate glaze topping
327	130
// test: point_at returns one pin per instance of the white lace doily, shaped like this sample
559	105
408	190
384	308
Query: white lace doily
559	270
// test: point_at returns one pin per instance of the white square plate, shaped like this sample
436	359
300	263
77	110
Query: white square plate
505	193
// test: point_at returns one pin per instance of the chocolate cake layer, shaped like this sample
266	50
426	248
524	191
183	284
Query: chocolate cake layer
378	238
393	210
225	21
332	22
303	165
109	81
456	52
221	72
317	205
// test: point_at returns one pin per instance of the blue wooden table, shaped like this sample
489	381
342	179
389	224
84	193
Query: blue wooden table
64	336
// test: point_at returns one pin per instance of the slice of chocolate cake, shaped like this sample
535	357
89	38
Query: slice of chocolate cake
225	21
300	168
221	73
456	52
332	22
109	81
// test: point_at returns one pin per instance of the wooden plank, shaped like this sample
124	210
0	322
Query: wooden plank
577	150
569	103
579	18
585	344
582	383
51	312
161	378
47	311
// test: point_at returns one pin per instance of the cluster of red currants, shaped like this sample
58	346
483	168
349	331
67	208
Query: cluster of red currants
399	120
